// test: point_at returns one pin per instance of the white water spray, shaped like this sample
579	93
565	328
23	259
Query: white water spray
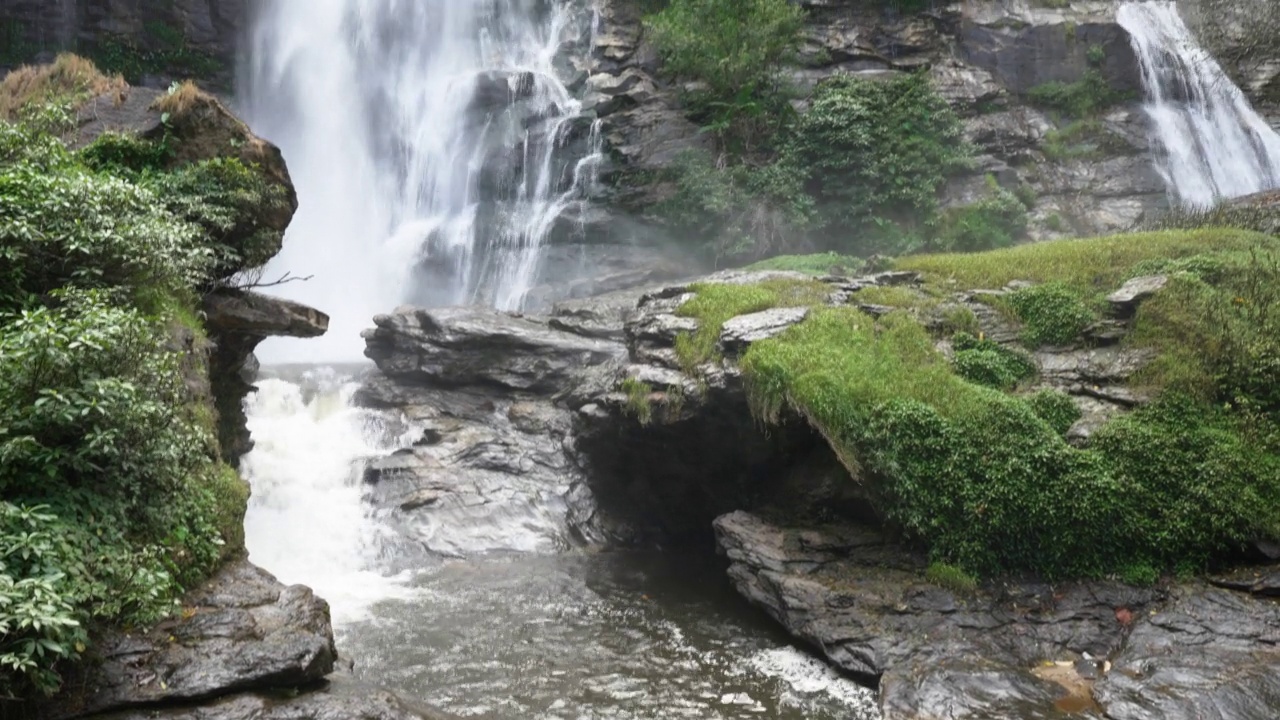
1210	144
433	146
307	522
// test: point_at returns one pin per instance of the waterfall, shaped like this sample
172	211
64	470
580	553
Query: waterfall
433	145
1210	144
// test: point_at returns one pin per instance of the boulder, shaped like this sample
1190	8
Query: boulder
1125	301
1019	651
240	631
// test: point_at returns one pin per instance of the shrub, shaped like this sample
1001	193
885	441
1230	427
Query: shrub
39	627
735	211
119	237
991	364
875	152
1051	314
996	221
989	486
1055	408
1079	99
121	153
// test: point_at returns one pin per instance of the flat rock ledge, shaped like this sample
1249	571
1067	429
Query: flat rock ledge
1197	651
243	647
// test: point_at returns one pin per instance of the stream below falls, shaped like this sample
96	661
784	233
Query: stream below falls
574	635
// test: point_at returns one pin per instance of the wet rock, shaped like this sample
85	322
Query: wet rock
1125	301
1209	655
340	698
240	631
237	322
739	333
457	347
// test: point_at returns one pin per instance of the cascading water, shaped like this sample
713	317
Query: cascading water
435	149
432	144
1210	144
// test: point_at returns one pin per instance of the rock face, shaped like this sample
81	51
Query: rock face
211	28
242	648
237	322
983	57
1017	652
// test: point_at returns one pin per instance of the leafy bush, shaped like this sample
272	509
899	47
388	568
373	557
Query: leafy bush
875	152
39	627
1055	408
120	236
988	363
124	153
1051	314
736	211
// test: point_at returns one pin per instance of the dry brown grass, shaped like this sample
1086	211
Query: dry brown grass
69	78
181	100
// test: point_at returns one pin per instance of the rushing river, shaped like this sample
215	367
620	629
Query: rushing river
574	636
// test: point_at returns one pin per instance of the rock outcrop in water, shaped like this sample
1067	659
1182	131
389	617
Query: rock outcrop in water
531	422
244	647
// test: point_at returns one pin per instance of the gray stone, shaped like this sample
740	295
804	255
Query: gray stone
739	333
341	698
240	631
1125	301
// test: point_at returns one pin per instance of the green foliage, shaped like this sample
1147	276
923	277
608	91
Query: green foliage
876	152
233	205
737	211
1080	99
733	51
1051	314
828	263
639	400
39	628
1055	408
112	499
1086	138
988	363
1218	333
1093	264
952	578
162	50
987	484
119	235
996	221
125	154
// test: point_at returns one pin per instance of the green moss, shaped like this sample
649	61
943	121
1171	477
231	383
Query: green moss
952	578
828	263
1087	139
715	304
983	481
1101	263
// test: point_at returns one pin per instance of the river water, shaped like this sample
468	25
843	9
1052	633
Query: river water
574	635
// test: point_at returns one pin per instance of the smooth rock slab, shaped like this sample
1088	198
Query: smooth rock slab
241	631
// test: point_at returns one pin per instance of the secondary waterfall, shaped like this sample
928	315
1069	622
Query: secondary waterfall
1210	144
433	145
